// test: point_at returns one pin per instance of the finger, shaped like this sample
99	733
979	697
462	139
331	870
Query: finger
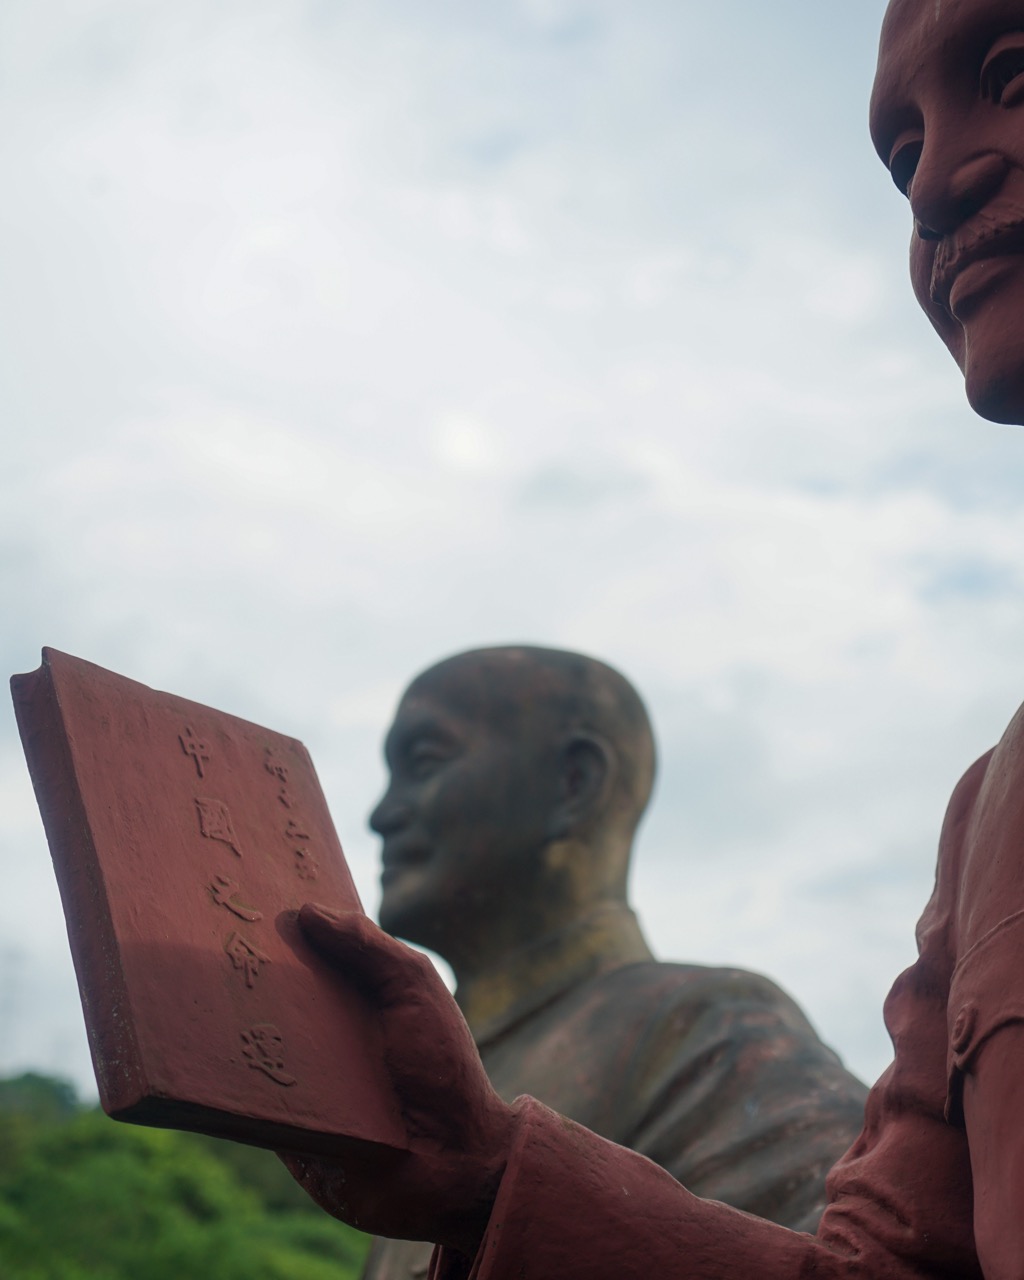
377	963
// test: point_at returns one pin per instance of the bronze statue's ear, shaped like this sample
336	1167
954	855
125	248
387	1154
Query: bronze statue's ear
587	768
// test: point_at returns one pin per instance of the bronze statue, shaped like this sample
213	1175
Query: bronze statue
934	1185
518	779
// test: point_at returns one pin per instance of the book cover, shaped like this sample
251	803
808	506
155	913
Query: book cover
184	841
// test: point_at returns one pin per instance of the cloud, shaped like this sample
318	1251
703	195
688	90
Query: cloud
339	338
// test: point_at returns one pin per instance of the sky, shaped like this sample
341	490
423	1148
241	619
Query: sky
340	337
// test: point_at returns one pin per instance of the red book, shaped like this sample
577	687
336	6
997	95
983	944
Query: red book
184	841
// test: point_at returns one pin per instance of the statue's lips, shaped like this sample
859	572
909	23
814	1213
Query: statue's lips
395	861
985	237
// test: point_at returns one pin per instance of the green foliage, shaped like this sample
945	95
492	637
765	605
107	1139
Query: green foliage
263	1172
40	1097
85	1198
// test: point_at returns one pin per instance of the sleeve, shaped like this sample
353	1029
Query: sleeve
985	995
906	1183
577	1207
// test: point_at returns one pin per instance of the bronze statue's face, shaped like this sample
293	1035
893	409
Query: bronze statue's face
463	818
947	118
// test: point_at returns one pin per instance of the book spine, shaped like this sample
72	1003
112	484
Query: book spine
108	1021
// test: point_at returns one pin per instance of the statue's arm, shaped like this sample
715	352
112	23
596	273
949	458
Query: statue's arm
578	1207
985	1014
993	1104
573	1205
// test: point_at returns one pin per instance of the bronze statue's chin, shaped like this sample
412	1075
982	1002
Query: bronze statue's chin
406	916
393	911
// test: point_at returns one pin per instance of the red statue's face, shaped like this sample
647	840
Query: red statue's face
947	118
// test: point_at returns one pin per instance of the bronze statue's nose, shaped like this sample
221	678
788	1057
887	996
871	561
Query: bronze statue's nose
389	816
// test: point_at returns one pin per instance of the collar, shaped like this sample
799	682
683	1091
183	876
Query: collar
609	937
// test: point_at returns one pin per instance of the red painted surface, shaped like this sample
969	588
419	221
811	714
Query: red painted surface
184	841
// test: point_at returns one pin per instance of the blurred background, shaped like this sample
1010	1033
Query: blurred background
341	336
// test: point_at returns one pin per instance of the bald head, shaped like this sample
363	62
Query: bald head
534	695
518	778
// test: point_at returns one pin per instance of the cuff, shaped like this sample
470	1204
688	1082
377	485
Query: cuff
447	1264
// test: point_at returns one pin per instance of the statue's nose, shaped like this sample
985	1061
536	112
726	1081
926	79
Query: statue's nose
390	815
942	198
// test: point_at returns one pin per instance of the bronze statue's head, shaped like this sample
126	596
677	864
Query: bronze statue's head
947	118
518	777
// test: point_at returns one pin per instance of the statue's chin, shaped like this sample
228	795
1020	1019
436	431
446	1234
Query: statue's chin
997	397
392	919
992	358
405	920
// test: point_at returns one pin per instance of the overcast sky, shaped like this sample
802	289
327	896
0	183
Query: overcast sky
338	337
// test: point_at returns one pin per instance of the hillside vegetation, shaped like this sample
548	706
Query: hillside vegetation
85	1198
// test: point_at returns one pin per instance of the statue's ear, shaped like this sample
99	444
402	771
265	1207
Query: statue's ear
586	767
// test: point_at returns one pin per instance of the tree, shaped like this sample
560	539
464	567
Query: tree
85	1198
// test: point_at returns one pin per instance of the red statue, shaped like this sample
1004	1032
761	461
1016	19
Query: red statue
934	1186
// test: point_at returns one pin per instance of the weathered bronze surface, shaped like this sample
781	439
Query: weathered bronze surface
518	778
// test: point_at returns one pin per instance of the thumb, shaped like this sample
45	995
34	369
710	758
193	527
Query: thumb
372	960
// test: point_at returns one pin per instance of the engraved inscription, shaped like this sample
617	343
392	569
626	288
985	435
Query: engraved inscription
263	1046
194	747
277	769
225	894
295	830
215	823
306	865
245	957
